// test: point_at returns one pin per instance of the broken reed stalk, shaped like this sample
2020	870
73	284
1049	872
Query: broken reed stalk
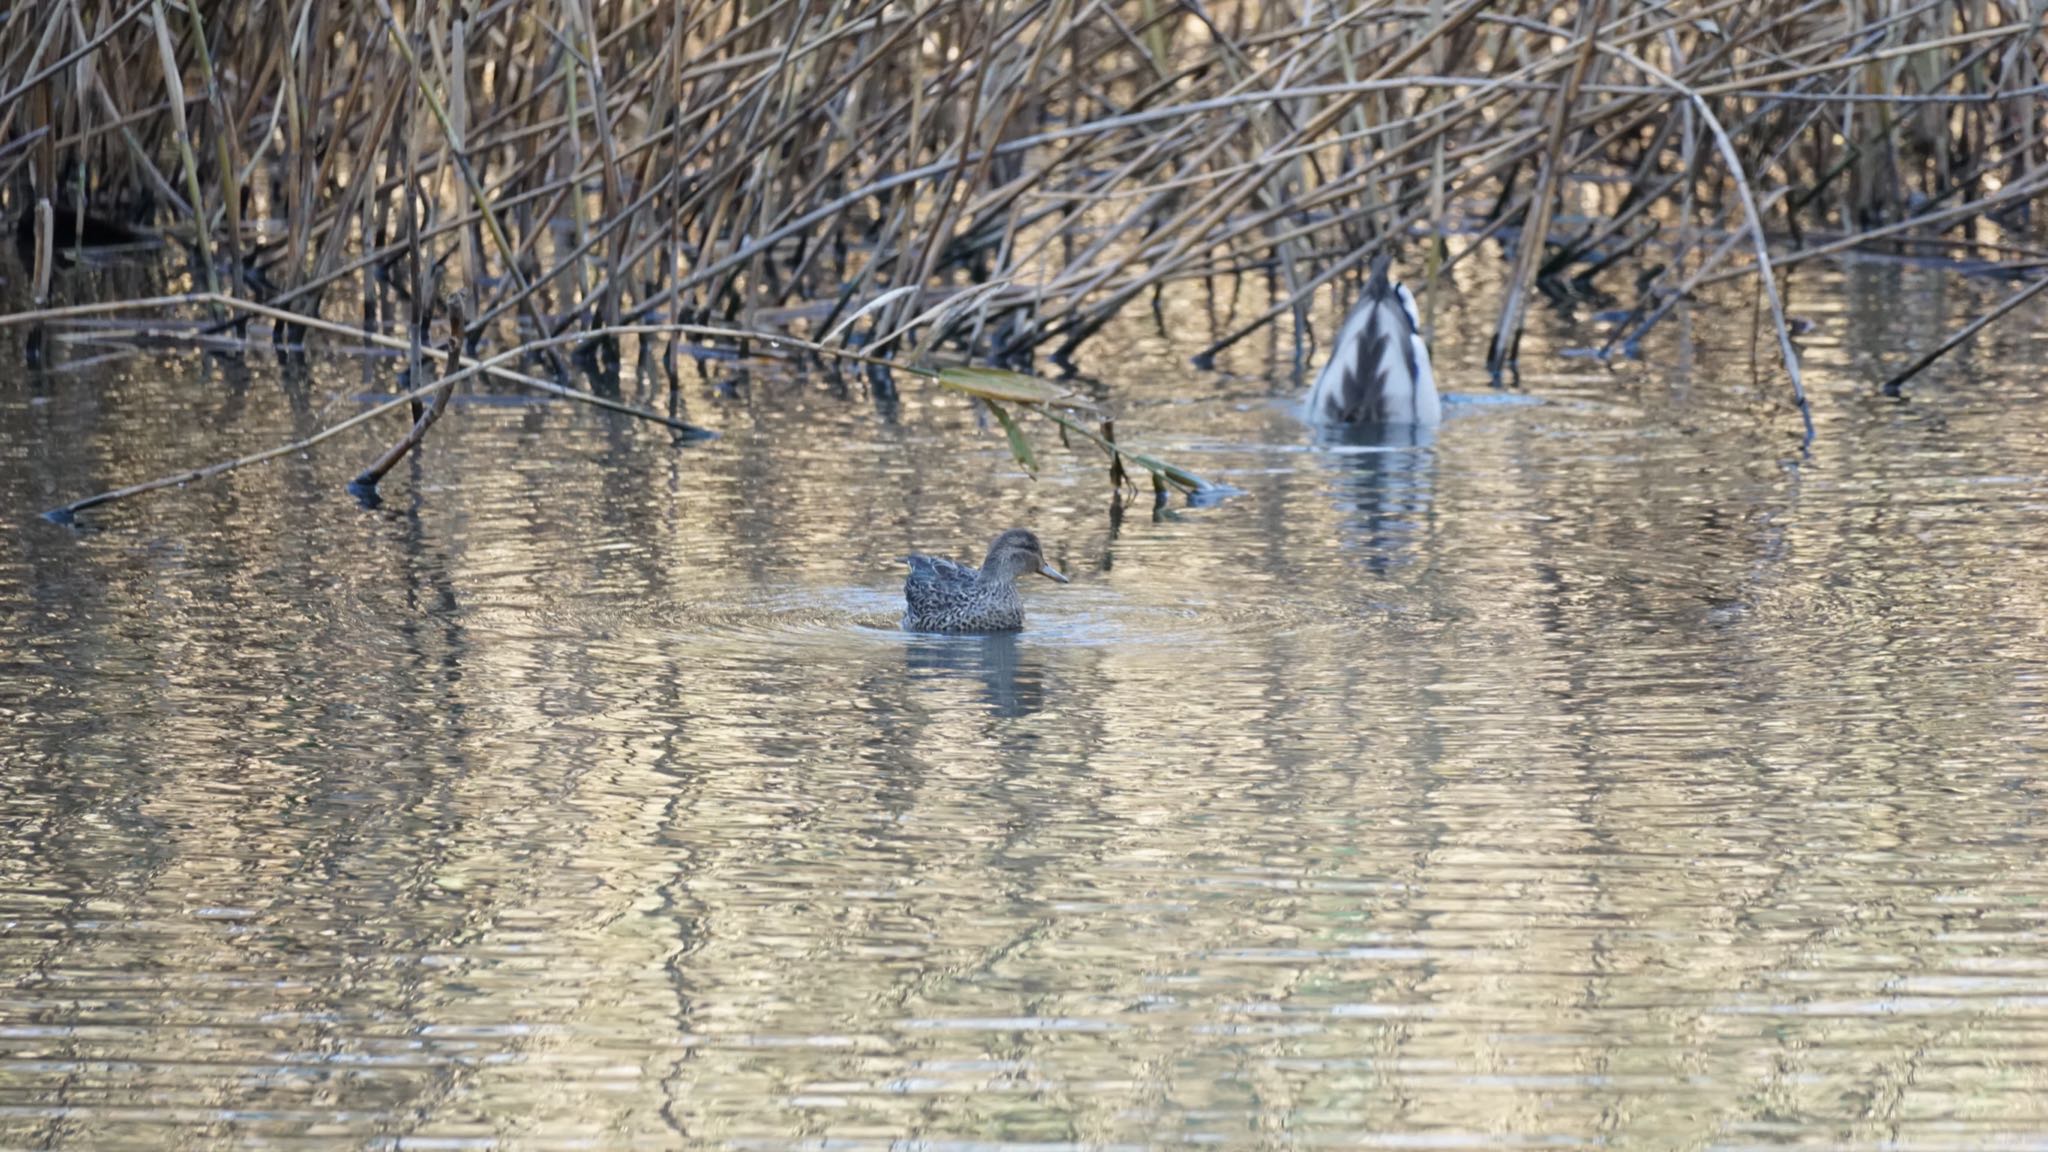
1531	248
494	366
367	480
583	164
989	385
1897	383
174	85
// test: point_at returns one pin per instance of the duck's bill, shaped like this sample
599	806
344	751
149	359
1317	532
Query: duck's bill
1052	572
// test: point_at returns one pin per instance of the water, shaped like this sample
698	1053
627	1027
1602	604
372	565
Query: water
1605	774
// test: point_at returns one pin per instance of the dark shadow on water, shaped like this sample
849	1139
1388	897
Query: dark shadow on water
1385	477
1012	680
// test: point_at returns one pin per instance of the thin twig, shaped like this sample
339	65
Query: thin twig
1896	384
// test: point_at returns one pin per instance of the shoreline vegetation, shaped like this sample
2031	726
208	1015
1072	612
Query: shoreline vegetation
964	191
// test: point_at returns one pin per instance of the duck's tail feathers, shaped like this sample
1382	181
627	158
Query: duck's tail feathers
1379	371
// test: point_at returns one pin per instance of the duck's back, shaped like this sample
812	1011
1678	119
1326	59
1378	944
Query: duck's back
947	596
1379	371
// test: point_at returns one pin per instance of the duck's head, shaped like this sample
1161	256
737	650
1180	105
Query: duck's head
1016	553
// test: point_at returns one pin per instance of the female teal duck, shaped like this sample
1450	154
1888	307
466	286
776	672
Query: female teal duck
947	596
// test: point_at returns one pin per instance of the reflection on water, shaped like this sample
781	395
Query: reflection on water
1011	678
1602	773
1386	484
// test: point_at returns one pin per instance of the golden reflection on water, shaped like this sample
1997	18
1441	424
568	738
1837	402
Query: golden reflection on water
1603	774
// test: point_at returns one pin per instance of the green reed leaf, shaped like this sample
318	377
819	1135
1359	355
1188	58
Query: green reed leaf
1019	446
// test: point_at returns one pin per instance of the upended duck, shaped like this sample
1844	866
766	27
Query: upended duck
947	596
1379	371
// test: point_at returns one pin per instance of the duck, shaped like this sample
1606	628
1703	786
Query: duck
948	596
1379	372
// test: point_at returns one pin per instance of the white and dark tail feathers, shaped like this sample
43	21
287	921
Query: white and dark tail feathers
1378	372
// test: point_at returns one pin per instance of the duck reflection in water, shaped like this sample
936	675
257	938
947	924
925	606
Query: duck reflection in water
1012	679
1385	476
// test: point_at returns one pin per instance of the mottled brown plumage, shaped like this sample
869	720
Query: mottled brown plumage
947	596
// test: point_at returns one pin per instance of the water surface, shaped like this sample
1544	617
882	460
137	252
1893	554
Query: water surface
1605	773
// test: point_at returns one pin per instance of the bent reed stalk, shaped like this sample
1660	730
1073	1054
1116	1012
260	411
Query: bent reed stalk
996	180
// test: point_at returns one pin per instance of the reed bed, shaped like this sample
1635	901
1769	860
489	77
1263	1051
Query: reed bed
986	181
